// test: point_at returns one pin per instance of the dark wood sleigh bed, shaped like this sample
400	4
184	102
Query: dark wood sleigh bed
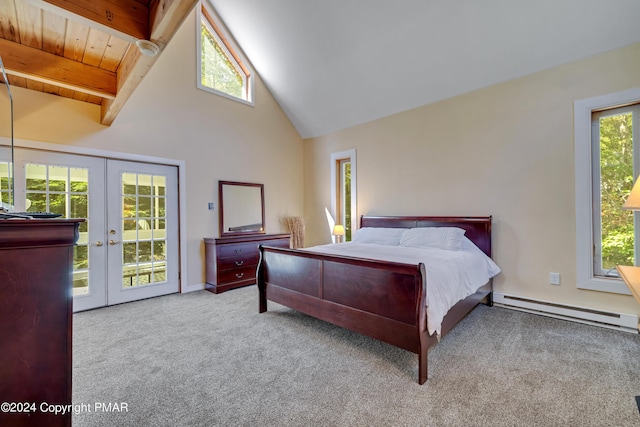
383	300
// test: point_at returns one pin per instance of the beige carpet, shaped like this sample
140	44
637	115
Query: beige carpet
201	359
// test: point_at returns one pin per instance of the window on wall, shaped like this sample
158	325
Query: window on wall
222	69
344	198
607	162
343	191
615	156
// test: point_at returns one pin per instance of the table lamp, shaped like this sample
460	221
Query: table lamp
338	231
631	274
633	200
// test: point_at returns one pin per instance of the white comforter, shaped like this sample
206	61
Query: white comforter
451	275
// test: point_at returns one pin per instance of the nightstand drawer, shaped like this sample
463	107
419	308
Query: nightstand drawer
248	260
237	250
237	274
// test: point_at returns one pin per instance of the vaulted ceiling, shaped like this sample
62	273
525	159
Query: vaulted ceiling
333	64
84	49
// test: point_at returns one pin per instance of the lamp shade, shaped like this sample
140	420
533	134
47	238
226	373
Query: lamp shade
338	230
633	200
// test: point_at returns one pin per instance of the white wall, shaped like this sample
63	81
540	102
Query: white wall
506	151
168	117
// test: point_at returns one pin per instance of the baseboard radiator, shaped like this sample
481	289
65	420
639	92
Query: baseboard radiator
618	321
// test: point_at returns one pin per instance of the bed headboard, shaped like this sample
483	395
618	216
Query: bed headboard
477	228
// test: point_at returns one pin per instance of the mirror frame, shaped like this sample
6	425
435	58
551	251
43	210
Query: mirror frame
221	229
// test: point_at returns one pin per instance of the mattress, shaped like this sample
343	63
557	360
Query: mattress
452	275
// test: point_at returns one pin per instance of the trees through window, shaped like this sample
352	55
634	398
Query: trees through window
614	157
343	191
222	69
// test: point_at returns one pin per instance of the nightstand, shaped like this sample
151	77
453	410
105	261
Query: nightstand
231	262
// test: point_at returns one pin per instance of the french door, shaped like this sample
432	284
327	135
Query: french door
128	244
142	237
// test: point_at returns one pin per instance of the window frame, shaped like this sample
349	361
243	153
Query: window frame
233	52
583	152
338	160
596	116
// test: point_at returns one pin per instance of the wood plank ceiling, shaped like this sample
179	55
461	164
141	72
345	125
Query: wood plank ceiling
85	50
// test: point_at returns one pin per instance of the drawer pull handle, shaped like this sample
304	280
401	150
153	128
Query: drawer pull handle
239	263
239	275
238	250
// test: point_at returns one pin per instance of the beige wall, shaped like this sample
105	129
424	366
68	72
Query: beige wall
168	117
506	150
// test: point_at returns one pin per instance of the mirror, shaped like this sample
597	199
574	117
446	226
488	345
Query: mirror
241	208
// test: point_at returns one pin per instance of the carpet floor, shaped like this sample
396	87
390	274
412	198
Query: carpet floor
200	359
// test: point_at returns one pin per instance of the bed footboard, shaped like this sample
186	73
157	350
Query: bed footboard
383	300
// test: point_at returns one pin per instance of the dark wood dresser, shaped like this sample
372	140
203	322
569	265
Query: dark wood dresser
231	262
36	308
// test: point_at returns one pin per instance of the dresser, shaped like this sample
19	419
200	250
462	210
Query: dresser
36	309
231	262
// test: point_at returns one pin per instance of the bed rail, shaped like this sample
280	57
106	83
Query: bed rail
383	300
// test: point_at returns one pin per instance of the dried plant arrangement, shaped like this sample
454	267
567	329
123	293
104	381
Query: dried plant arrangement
295	225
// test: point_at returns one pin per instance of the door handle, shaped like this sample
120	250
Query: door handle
98	244
114	242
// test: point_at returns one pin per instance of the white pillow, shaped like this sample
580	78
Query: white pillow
379	235
433	237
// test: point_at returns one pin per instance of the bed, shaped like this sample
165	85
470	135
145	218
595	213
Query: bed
383	299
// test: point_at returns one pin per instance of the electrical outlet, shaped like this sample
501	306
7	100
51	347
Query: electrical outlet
554	278
211	206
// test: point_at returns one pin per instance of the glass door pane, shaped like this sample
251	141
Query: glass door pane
143	229
63	190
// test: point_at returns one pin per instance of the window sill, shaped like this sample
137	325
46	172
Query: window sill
225	95
613	285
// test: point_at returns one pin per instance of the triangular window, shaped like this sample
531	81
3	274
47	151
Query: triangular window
222	69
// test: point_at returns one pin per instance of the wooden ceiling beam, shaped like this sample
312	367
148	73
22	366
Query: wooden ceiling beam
35	64
165	19
165	16
125	19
